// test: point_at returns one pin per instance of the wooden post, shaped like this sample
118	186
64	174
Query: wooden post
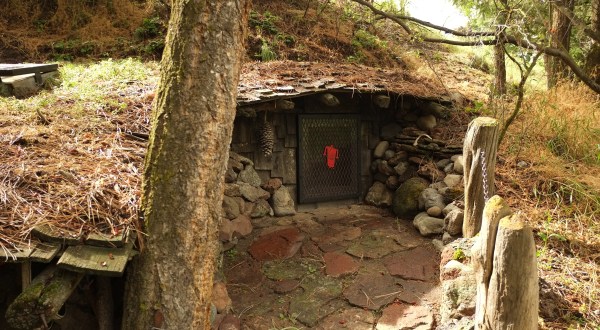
506	271
479	152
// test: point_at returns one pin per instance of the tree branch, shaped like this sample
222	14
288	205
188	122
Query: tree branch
562	55
595	35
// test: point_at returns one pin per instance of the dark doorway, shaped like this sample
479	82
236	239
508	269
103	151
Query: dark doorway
328	157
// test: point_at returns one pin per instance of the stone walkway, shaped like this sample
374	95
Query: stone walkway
346	267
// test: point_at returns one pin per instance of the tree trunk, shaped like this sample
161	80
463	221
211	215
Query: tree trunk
499	58
560	38
511	296
169	285
479	156
592	64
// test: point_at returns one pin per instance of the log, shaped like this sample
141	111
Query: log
105	307
513	292
479	151
483	252
40	302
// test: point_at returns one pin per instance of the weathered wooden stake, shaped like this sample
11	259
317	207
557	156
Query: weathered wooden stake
506	269
479	155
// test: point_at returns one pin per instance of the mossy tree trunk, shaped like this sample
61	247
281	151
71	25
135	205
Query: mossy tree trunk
169	285
560	38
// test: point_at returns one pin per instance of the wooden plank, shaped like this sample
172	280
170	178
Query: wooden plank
290	124
49	234
18	69
44	252
291	141
12	255
105	240
96	260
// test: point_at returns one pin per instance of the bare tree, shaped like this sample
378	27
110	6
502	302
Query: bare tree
170	283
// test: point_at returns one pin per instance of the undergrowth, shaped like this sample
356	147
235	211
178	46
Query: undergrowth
551	170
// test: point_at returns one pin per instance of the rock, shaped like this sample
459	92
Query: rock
318	299
389	154
230	175
234	164
278	244
225	230
389	131
249	175
261	209
451	194
282	201
252	193
426	123
392	183
405	317
447	238
450	207
375	165
438	185
220	297
453	222
434	211
431	172
232	190
374	245
380	177
428	225
338	264
436	109
385	168
417	160
439	245
382	101
348	318
271	185
442	163
455	157
379	195
458	165
285	286
418	264
371	291
452	180
240	158
401	168
231	209
242	226
406	199
458	291
230	322
449	168
430	198
397	158
380	149
522	164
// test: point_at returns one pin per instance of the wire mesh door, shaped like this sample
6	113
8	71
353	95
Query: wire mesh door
328	157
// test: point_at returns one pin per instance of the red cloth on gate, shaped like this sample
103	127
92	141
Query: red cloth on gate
331	154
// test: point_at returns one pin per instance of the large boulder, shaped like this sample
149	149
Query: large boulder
426	123
261	209
379	195
282	202
406	198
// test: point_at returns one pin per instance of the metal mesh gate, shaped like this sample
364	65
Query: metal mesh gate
328	157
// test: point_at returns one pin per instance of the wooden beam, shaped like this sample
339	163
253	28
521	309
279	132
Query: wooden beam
96	260
44	252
